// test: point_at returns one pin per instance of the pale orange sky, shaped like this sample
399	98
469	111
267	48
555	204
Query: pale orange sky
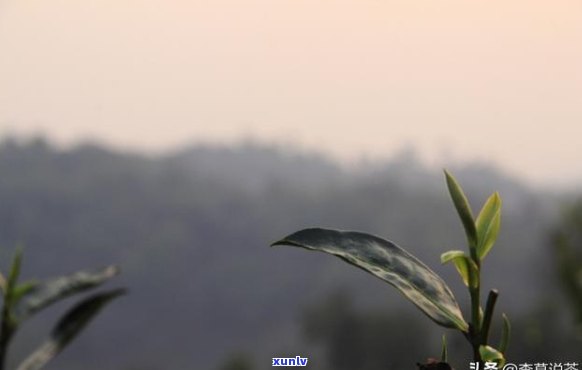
494	80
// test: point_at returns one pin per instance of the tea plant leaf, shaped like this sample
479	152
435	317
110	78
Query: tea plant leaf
51	291
464	265
451	255
444	350
490	354
463	209
70	325
488	224
23	289
505	334
390	263
13	275
457	257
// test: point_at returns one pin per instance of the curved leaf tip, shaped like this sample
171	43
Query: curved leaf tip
466	268
490	354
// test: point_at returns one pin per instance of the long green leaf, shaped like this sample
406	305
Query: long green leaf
505	334
390	263
463	209
44	294
68	328
488	224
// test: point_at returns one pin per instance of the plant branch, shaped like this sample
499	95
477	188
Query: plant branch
475	293
7	329
490	307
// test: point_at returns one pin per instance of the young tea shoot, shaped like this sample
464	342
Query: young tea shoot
417	282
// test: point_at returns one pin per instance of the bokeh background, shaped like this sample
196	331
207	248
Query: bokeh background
179	139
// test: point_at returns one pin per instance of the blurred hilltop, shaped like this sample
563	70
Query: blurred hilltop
191	230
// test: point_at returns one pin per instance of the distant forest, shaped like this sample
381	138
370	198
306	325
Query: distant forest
191	229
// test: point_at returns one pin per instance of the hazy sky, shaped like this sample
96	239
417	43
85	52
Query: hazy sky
496	80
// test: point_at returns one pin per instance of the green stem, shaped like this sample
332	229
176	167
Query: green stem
7	325
475	293
6	332
475	328
475	305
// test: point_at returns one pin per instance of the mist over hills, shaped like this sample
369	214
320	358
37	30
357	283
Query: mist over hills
191	230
